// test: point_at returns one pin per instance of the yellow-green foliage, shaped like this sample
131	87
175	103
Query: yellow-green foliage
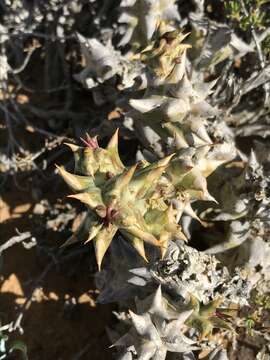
256	16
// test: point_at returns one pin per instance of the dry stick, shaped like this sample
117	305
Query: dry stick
14	240
12	142
38	91
25	62
66	70
33	127
259	51
239	92
42	132
53	143
20	33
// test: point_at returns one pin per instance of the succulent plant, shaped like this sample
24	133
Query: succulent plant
142	16
157	330
173	113
102	62
206	317
187	223
185	271
186	141
162	325
145	201
244	203
120	198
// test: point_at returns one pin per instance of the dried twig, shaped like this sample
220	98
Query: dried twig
25	62
259	51
14	240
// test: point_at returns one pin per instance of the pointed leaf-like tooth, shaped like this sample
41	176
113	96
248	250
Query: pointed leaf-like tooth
183	317
206	196
148	350
170	214
92	199
179	70
102	241
207	167
82	230
127	36
180	141
136	319
146	105
176	325
178	135
183	88
141	234
211	307
147	178
189	211
157	302
197	141
112	148
113	143
140	322
165	161
201	132
196	185
84	158
175	109
161	307
150	24
81	38
181	37
93	232
124	179
138	244
202	151
164	247
154	174
124	341
75	182
222	152
181	235
204	110
74	147
194	180
204	89
197	126
252	161
178	173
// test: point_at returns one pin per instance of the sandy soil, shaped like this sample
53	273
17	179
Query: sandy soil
63	322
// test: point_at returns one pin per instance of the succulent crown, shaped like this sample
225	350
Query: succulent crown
144	202
120	198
